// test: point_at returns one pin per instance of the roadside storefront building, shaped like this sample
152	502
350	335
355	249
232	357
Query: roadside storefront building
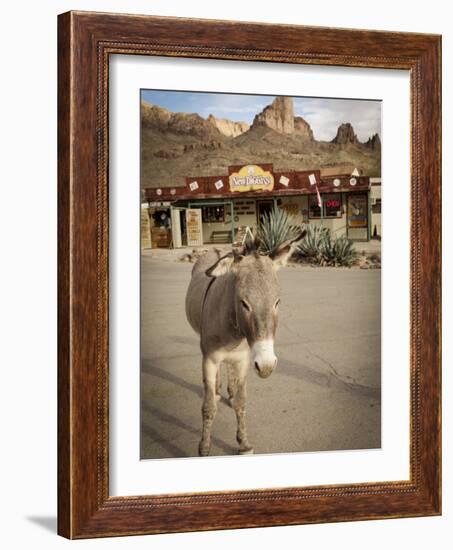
217	209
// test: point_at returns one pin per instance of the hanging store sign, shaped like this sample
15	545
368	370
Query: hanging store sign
251	178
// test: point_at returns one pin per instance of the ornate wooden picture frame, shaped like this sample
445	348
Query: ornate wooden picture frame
85	508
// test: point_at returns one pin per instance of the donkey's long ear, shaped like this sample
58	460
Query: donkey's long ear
282	253
250	244
222	266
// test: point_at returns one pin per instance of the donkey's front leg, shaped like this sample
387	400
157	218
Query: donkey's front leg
238	403
209	407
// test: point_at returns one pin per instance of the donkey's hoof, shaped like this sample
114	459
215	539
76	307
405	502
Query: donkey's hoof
218	397
246	451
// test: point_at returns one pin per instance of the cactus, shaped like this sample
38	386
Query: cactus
320	248
275	228
337	252
310	248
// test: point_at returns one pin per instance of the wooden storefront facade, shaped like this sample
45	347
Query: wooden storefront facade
213	209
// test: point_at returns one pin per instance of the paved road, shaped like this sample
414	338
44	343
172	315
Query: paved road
324	394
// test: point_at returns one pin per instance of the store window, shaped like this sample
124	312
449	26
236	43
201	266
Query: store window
314	211
332	206
212	214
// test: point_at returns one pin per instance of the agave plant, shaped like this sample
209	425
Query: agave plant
310	248
339	251
275	228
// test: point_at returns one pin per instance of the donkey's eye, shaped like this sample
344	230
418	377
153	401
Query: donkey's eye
277	303
245	305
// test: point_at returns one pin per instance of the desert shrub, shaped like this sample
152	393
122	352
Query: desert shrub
338	251
320	248
310	248
275	228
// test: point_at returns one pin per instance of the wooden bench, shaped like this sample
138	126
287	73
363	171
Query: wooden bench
220	237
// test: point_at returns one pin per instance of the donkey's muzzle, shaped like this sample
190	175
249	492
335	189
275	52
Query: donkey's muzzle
263	357
264	371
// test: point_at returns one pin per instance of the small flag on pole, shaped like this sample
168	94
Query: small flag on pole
319	197
312	179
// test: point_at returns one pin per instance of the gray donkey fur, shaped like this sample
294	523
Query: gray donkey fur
232	303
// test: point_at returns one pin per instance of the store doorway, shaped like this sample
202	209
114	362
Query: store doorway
161	234
263	208
357	209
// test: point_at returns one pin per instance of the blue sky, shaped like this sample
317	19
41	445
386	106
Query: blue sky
323	115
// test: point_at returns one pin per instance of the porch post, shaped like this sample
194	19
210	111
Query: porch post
232	221
322	211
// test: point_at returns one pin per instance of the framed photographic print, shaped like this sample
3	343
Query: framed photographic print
249	275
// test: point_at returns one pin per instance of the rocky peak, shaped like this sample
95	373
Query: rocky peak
302	128
345	134
227	127
374	142
279	115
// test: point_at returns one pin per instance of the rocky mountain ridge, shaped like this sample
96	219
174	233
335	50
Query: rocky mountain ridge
228	127
177	145
163	120
374	142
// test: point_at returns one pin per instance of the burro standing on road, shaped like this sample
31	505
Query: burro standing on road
232	303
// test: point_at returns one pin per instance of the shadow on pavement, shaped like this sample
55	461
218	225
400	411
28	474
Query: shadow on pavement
169	418
170	377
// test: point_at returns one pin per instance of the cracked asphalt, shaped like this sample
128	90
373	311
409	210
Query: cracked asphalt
324	394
